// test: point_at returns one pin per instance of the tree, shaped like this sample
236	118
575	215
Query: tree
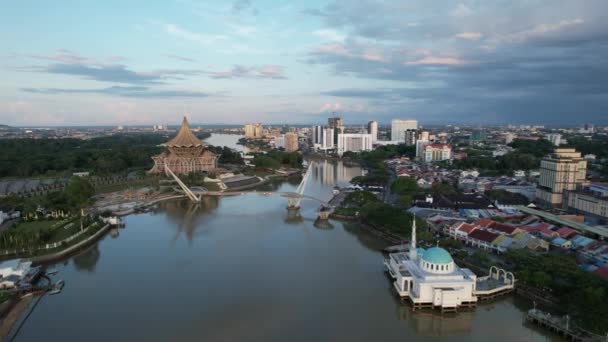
78	192
404	185
360	198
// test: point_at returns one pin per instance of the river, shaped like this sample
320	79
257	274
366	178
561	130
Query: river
239	268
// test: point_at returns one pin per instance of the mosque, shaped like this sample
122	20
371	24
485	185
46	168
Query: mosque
431	279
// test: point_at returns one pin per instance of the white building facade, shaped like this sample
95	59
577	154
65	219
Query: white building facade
372	128
354	143
398	128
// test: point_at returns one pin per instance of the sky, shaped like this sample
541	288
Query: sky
441	62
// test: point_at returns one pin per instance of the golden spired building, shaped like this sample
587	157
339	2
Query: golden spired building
185	154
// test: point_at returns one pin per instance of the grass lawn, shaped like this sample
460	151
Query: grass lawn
212	186
61	228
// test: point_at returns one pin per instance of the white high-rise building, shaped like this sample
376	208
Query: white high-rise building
372	128
398	128
317	135
555	139
354	143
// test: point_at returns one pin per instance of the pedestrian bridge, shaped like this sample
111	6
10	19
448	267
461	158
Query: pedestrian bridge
293	198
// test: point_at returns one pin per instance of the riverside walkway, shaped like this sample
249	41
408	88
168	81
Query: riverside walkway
561	325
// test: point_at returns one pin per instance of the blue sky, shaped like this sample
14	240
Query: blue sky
149	62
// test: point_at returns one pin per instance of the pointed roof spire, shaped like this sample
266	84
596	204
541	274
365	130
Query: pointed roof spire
413	250
184	137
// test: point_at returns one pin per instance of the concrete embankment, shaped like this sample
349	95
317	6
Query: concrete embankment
76	247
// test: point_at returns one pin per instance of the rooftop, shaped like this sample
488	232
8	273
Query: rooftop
184	137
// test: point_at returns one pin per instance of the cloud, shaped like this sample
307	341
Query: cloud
259	72
331	35
243	6
182	58
130	91
436	60
201	38
469	35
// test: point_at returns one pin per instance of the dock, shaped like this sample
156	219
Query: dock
561	325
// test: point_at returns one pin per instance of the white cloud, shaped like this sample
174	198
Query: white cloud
202	38
431	60
330	35
469	35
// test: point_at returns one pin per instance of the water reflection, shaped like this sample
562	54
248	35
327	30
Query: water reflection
323	224
432	324
87	260
187	215
330	173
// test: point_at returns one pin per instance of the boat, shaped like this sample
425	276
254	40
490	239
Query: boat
57	287
50	272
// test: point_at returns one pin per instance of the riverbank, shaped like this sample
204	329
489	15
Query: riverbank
11	312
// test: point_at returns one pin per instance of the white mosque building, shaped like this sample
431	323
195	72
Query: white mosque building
431	279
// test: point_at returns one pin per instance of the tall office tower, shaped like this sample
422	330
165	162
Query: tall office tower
354	142
411	135
291	142
317	135
398	128
372	128
562	170
328	138
555	139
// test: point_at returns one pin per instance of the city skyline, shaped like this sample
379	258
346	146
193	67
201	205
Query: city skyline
454	62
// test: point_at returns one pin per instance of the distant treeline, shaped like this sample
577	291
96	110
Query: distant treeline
103	155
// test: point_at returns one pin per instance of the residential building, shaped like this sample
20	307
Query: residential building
560	171
250	131
420	146
354	142
291	142
509	137
372	128
437	152
398	128
555	139
591	200
411	135
279	142
254	131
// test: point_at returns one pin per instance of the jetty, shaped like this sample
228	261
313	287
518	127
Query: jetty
562	326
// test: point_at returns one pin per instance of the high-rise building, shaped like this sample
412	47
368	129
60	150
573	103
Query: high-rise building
279	141
249	131
291	142
317	135
335	122
509	137
560	171
259	130
372	128
478	135
555	139
411	135
328	138
354	142
420	146
398	128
